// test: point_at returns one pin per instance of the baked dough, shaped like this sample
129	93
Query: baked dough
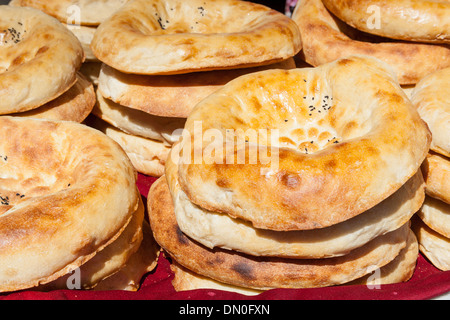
108	261
432	244
143	261
436	214
412	20
39	59
137	122
73	105
184	279
430	98
67	192
335	150
264	273
208	228
398	270
169	95
436	171
83	12
147	155
325	39
176	36
84	35
401	269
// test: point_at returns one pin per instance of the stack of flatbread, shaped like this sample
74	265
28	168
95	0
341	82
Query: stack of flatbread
143	101
383	29
82	18
40	63
329	213
432	225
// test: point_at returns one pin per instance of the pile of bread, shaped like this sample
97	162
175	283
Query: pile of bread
287	151
432	224
71	215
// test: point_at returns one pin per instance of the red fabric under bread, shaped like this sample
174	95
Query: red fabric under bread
427	282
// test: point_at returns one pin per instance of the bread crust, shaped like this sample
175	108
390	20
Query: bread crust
411	20
297	189
168	37
137	122
73	105
39	59
432	244
207	227
70	191
169	95
109	260
325	40
436	214
436	171
148	156
264	273
91	12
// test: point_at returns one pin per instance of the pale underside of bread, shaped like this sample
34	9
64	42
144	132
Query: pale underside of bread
83	12
107	261
430	99
144	260
334	154
169	95
71	191
398	270
325	38
170	37
207	227
84	34
422	21
263	272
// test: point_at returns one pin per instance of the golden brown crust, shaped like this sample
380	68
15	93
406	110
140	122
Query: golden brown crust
325	39
264	273
38	61
169	95
372	155
70	191
412	20
430	98
166	37
73	105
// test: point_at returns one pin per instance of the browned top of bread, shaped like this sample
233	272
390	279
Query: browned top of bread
322	154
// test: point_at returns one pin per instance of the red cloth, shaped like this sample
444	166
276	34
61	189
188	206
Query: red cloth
427	282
